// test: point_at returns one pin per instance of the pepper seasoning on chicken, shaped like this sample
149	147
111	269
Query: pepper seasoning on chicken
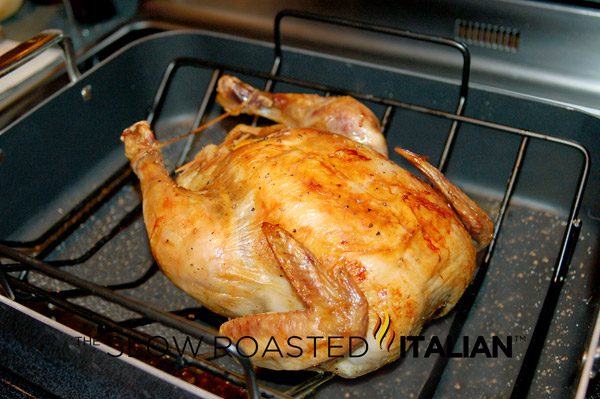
296	232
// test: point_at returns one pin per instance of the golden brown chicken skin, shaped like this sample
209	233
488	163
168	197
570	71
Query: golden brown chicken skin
297	232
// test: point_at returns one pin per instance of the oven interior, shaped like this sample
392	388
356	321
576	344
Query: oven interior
74	245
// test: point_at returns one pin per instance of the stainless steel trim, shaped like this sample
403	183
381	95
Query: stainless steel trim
33	47
589	357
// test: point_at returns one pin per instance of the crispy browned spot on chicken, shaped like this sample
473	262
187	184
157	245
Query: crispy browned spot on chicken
300	232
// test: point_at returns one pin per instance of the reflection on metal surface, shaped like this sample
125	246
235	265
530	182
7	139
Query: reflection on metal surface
33	47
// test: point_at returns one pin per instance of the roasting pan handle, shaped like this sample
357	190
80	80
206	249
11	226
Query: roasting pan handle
33	47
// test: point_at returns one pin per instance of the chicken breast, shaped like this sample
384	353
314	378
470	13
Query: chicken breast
307	240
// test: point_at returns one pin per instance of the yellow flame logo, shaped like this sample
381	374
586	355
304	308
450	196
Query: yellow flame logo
383	327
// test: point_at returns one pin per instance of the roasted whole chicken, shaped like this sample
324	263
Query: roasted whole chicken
306	235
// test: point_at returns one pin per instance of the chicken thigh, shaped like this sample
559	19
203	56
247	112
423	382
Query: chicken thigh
306	240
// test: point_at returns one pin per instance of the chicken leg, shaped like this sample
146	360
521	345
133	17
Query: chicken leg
342	115
177	220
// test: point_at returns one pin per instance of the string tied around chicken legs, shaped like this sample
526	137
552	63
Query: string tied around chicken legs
204	126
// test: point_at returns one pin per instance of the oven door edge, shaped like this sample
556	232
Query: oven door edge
33	335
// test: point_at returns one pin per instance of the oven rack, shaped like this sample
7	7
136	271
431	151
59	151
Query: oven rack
30	255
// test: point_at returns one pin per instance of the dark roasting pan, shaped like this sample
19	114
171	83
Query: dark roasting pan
74	247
